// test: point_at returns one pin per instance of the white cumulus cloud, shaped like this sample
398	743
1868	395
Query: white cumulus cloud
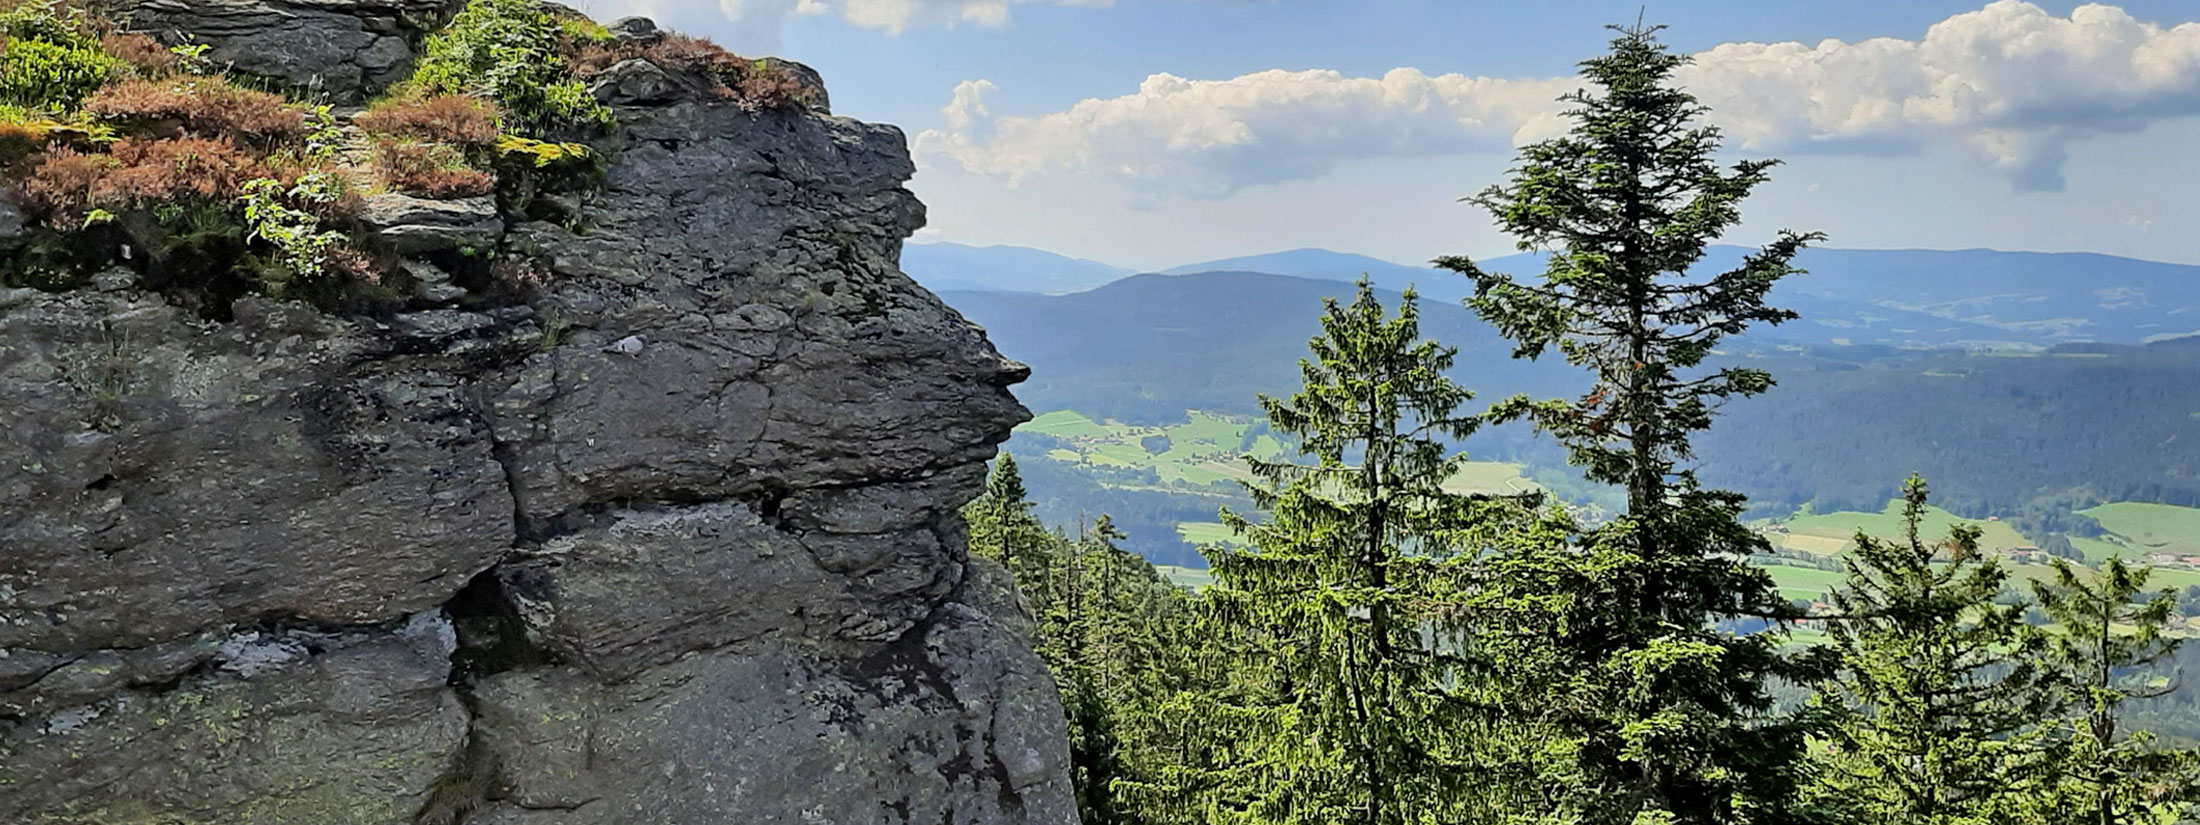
1211	137
2011	84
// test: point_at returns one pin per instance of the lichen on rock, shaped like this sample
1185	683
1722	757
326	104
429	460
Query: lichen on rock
667	535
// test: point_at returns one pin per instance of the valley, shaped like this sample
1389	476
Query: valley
1197	465
1148	391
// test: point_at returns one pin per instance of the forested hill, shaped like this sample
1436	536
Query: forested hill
1995	431
1148	347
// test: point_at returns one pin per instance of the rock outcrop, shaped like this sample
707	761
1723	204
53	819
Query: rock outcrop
673	539
346	49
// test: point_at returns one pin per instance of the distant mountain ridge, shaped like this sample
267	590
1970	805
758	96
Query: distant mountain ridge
1908	298
1432	284
953	266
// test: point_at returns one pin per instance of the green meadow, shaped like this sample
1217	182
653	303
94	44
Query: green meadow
1209	449
1831	533
2136	529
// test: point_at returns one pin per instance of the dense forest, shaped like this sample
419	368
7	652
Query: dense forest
2088	424
1383	650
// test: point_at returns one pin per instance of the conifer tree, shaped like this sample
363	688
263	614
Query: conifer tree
1003	529
2109	636
1934	714
1340	574
1663	717
1141	674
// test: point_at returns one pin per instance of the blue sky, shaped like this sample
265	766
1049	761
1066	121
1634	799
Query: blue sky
1156	132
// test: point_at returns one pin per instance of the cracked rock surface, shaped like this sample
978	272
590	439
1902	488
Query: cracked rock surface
673	539
347	49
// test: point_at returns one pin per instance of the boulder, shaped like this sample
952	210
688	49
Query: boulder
347	49
636	81
636	30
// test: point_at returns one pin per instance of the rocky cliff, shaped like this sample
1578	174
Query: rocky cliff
669	538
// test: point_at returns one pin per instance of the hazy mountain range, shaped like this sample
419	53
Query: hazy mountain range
1973	298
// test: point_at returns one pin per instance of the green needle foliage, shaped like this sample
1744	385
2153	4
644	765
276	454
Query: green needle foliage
1660	715
1141	675
1347	572
1933	717
2110	636
1003	529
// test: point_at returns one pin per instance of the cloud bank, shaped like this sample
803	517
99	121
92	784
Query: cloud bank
2011	84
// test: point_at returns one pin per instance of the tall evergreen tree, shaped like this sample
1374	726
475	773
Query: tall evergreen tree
1003	529
2109	638
1667	718
1934	715
1341	573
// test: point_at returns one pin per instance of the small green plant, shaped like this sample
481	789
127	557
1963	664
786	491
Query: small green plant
542	154
554	325
309	251
49	58
324	134
104	372
191	57
24	133
514	52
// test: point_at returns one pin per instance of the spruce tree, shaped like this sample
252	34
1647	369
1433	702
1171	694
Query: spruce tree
2109	636
1340	574
1934	716
1664	717
1003	529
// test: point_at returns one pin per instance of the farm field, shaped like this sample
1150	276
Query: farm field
1206	532
1203	456
2136	529
1832	533
1803	583
1203	450
1185	576
1207	449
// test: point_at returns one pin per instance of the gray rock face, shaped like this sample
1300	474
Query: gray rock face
165	475
286	728
674	539
785	353
11	219
349	49
637	81
408	225
967	723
